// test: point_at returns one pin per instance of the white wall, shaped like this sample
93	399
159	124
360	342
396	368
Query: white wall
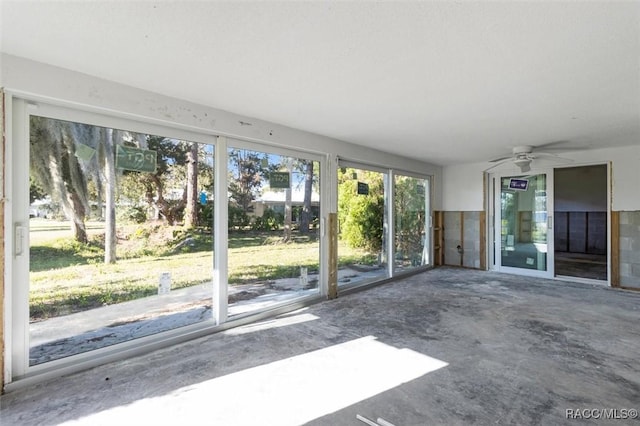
462	184
462	187
36	81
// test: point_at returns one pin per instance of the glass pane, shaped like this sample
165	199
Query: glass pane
274	247
523	231
411	211
362	256
120	236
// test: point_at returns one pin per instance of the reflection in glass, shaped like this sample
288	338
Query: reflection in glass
120	236
274	247
411	211
362	219
523	233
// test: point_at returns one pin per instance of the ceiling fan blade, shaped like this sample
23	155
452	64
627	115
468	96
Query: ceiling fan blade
497	164
552	144
559	146
500	159
551	156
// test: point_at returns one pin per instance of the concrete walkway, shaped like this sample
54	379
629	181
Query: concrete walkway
72	334
446	347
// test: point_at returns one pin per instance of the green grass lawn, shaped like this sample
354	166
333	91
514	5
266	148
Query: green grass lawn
68	277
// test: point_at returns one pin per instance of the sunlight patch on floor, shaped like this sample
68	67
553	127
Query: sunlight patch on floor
291	391
273	323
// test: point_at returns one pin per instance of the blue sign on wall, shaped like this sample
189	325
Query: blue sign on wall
518	184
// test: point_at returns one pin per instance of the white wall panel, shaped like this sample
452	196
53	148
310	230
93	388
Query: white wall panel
462	187
38	81
462	183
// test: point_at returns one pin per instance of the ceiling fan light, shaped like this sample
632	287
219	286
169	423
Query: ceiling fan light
523	163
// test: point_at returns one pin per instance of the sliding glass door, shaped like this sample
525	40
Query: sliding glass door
384	226
523	226
362	225
412	234
112	234
273	227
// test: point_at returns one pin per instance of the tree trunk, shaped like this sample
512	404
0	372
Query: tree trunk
100	172
191	210
305	217
287	216
60	166
99	203
109	143
77	220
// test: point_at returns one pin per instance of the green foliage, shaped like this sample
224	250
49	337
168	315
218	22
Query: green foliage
142	233
55	168
410	218
361	217
36	192
131	214
246	179
237	218
269	221
205	215
63	252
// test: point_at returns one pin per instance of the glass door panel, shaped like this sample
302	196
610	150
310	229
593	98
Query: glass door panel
274	232
120	236
362	218
411	212
523	222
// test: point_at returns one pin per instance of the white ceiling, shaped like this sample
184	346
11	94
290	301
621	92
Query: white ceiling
446	82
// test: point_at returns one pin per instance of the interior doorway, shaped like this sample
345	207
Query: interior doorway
580	231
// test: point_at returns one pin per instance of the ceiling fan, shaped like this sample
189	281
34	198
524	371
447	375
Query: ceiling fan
523	155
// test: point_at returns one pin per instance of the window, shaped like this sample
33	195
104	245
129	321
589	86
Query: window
362	219
120	236
411	210
274	224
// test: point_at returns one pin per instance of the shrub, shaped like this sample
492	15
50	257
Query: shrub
131	214
361	217
269	221
237	217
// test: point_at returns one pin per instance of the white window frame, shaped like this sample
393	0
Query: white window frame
428	218
18	372
390	174
17	215
323	284
497	228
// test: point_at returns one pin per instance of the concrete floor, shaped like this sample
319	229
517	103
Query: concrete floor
449	346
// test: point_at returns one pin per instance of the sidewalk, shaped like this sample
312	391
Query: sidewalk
67	335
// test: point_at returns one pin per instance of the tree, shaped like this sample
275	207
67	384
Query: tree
36	192
246	177
410	217
288	164
361	217
287	215
109	141
152	188
305	217
191	211
57	170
